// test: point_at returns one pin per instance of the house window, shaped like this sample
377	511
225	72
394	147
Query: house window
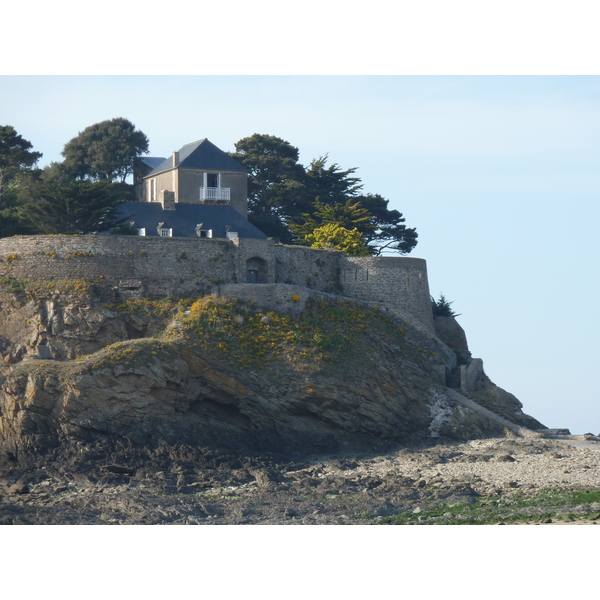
212	180
232	235
204	233
165	232
142	231
153	190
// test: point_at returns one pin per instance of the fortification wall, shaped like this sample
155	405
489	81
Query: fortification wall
397	281
185	267
256	255
308	267
161	267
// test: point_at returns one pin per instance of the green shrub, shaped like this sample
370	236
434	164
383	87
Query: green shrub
442	308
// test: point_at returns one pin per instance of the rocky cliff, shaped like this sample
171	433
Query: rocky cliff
79	366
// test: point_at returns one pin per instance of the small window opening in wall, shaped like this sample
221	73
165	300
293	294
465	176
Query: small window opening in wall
142	231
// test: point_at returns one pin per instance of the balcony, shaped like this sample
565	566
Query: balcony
212	194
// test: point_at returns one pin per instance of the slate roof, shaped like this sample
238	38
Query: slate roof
202	154
184	219
152	161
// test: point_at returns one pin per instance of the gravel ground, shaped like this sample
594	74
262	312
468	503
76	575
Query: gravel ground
201	486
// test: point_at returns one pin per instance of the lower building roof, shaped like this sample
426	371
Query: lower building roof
187	219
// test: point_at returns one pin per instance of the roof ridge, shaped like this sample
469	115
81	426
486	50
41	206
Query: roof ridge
196	142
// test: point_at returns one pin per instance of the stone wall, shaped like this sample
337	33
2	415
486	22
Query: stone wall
308	267
163	266
397	281
280	297
256	255
186	184
193	267
190	181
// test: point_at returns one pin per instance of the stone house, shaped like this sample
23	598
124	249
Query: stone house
197	173
199	191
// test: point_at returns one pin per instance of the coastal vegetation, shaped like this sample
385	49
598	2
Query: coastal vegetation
546	506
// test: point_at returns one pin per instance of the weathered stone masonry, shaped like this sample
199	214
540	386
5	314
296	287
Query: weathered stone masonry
186	267
394	281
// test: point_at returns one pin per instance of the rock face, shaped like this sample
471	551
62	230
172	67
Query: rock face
453	335
472	380
174	389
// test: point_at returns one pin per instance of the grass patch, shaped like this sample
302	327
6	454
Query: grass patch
160	307
547	505
133	353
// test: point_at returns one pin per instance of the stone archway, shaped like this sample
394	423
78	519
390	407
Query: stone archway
256	270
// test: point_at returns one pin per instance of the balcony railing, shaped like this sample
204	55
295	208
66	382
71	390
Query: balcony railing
214	193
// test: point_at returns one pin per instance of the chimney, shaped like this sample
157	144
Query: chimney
168	200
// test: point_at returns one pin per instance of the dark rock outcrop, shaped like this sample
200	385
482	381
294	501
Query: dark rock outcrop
166	391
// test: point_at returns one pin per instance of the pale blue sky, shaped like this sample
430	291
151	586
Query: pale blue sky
498	174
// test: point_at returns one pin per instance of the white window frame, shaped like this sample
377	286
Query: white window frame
141	231
165	232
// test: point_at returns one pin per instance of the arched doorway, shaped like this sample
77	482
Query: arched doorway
256	270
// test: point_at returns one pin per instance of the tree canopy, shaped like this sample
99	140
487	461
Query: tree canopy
330	183
16	157
288	201
105	151
276	182
348	214
54	203
75	196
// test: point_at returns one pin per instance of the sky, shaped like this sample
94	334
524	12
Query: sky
498	174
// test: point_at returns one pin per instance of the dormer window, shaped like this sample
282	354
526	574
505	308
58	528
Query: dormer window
231	235
164	231
141	231
200	232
